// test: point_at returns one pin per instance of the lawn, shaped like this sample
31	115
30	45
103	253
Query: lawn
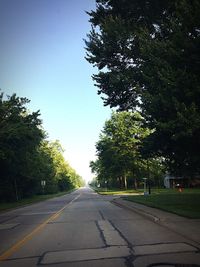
10	205
116	191
186	203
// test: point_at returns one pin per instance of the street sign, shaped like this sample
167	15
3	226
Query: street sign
43	183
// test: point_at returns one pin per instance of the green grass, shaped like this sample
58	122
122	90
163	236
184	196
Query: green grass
185	204
115	191
26	201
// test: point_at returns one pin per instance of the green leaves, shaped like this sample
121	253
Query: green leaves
26	157
148	56
119	146
19	130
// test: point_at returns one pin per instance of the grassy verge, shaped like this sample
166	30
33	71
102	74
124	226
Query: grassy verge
116	191
31	200
185	203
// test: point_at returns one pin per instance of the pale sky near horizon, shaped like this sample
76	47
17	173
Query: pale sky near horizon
42	58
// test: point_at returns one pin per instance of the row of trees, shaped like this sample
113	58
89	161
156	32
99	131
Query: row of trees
148	57
121	160
27	157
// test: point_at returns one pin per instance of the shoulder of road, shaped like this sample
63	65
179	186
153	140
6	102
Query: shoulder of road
189	228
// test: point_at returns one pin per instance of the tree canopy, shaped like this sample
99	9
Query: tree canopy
119	158
148	57
27	157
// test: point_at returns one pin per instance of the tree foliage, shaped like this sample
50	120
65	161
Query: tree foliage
27	157
148	56
119	158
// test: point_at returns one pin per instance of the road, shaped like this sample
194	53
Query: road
85	229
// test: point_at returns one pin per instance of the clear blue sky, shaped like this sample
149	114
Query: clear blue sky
42	58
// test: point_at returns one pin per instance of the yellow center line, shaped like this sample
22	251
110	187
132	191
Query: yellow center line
28	237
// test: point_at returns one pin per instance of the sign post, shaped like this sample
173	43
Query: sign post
145	186
43	184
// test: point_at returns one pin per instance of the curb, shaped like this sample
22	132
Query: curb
159	220
139	211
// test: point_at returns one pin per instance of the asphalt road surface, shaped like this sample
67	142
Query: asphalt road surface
85	229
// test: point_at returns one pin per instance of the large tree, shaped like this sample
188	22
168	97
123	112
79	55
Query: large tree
20	135
27	157
57	172
148	56
119	146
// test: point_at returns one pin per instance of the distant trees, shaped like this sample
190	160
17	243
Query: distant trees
27	157
120	162
148	56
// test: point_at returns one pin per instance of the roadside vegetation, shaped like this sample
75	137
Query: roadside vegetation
184	203
140	191
148	71
115	191
121	158
30	164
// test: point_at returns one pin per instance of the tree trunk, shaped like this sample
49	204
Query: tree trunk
135	183
120	182
16	190
125	182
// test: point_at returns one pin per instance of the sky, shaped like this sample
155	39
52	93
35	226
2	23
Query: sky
42	58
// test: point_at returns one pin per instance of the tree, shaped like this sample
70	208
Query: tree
54	169
147	53
99	170
118	149
20	134
27	157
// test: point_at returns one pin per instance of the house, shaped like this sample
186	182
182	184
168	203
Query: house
175	181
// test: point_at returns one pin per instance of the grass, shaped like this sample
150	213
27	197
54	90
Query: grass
116	191
185	203
27	201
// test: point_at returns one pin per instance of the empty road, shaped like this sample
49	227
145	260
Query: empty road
85	229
